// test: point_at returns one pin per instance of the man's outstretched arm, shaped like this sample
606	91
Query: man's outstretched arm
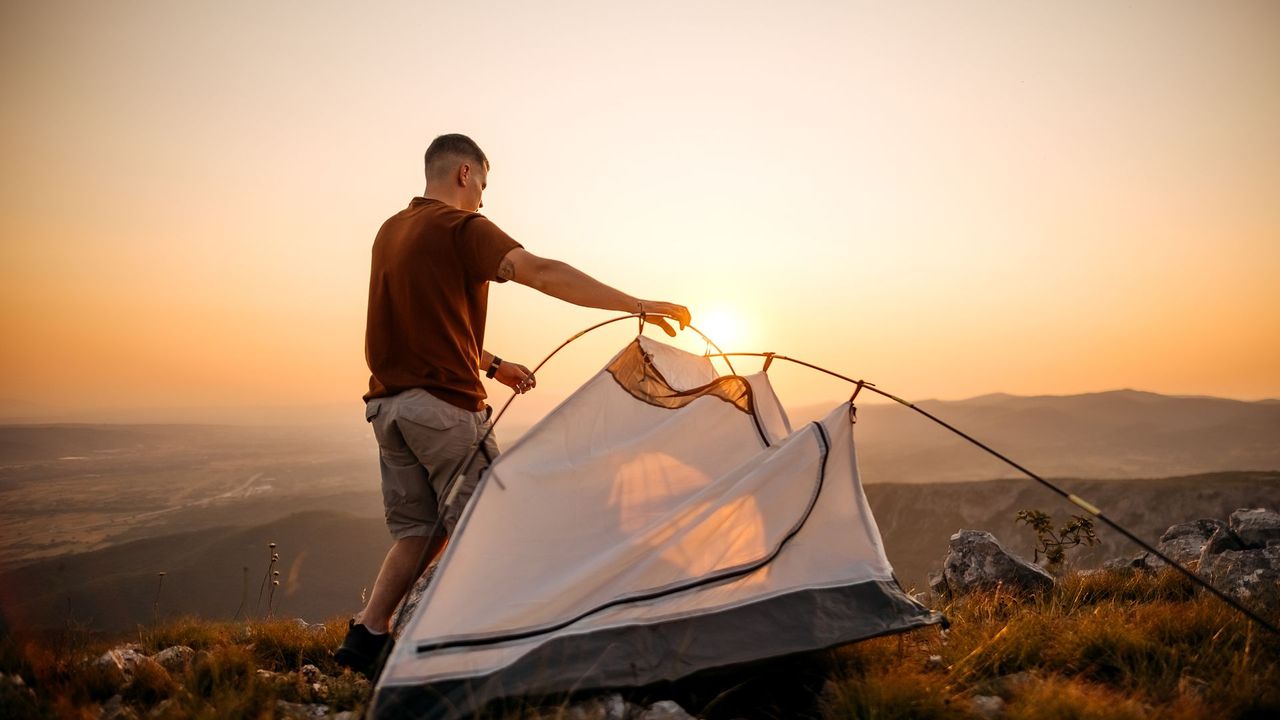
565	282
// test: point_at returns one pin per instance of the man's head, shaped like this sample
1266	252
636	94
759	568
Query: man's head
457	171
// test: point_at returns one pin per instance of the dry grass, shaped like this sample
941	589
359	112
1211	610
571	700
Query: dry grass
1111	645
223	681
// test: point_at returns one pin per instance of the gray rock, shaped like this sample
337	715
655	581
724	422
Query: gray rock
300	711
602	707
122	663
1250	576
110	709
1142	562
175	659
1011	684
937	584
19	699
987	706
1184	542
1120	563
665	710
976	559
310	673
1221	540
115	709
1254	527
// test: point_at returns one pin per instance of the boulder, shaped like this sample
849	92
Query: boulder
601	707
175	659
1143	561
937	584
115	709
987	707
1221	540
300	711
1184	542
1255	527
16	698
1187	543
1251	576
1012	684
122	663
975	559
665	710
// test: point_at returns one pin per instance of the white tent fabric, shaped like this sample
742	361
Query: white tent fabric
661	521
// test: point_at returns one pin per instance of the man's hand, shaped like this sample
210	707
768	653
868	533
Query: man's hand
515	376
653	313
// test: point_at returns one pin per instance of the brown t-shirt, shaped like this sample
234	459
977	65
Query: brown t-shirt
428	294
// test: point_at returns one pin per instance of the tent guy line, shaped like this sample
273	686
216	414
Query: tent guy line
1076	500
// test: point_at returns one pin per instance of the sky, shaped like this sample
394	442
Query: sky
948	199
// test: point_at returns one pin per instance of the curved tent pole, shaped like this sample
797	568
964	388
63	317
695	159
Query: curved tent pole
1071	497
470	456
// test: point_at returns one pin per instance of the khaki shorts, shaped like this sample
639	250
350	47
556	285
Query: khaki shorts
421	441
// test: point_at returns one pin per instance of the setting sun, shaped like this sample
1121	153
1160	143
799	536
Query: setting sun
725	327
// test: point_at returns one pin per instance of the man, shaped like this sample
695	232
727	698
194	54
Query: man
424	343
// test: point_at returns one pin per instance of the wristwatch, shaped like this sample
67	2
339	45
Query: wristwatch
493	367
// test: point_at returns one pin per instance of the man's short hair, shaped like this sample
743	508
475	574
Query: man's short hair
451	149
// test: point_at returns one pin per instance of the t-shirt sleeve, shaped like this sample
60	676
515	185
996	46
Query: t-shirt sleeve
481	247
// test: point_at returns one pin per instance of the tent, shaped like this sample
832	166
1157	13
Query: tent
661	521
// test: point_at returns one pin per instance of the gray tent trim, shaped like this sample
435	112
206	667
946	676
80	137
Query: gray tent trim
633	656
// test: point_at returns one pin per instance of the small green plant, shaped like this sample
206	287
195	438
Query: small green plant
1053	545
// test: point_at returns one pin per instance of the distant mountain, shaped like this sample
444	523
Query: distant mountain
1117	434
73	488
326	559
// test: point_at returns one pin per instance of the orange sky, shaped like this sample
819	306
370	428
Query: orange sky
949	199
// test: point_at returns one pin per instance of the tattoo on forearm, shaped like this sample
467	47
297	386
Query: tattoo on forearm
506	269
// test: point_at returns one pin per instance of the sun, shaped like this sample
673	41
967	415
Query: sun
724	326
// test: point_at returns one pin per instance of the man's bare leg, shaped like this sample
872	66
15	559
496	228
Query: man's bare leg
402	566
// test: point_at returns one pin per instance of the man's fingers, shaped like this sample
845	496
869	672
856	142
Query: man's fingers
660	322
528	383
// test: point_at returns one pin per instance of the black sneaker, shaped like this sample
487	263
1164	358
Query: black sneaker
362	650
